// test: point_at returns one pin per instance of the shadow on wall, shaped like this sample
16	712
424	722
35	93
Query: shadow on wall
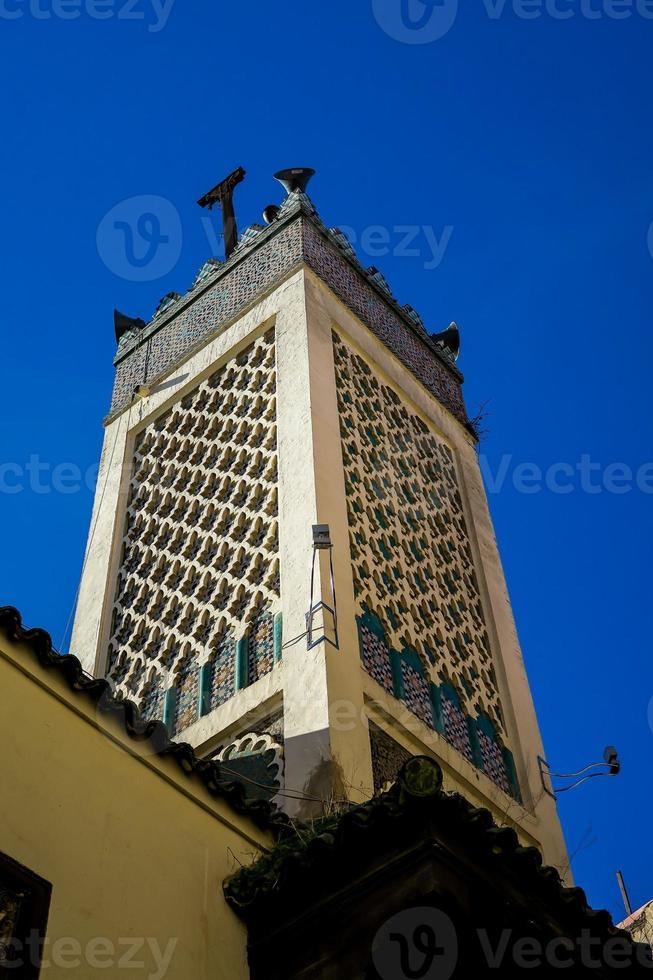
324	786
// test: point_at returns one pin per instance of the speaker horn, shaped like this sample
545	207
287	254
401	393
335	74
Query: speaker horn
295	178
449	339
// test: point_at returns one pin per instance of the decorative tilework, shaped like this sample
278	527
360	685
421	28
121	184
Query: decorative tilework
414	350
438	707
417	692
223	671
222	290
152	699
494	764
376	657
187	695
214	301
260	646
456	727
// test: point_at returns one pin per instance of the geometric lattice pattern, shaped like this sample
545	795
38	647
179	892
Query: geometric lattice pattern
152	698
260	646
187	694
200	547
410	548
493	761
223	672
376	658
417	693
456	728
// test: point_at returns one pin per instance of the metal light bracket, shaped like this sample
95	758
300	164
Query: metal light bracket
609	767
322	542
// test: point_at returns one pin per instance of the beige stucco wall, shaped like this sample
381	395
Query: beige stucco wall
134	849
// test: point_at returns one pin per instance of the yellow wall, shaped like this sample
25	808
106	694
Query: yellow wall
134	849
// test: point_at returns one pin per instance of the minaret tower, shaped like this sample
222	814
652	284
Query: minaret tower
289	389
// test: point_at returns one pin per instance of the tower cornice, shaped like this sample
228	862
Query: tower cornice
264	258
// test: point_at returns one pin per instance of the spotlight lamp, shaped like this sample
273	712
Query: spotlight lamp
610	766
321	537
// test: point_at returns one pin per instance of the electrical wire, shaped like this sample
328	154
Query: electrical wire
608	768
592	775
581	772
296	639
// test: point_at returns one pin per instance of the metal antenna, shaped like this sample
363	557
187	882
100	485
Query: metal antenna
223	194
624	893
609	767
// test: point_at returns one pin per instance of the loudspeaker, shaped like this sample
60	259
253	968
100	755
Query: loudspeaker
295	178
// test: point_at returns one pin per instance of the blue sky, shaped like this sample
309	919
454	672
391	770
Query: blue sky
519	152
